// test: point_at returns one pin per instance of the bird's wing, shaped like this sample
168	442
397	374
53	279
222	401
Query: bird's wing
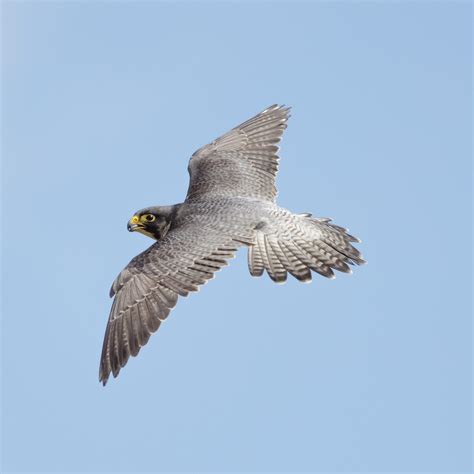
148	288
243	162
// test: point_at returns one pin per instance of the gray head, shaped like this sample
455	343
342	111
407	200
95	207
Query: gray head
153	221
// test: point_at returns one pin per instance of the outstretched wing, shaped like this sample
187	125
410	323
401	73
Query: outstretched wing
148	288
243	162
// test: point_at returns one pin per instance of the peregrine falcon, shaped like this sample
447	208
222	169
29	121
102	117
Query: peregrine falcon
231	202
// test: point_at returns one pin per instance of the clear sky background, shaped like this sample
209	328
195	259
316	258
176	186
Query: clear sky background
103	104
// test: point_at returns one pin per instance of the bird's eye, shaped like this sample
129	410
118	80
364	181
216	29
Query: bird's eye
149	217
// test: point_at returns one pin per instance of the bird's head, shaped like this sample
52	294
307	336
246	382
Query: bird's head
153	222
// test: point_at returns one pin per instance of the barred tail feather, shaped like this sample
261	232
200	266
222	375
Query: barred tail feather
255	261
279	255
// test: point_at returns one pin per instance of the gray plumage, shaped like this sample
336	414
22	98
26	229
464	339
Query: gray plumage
230	203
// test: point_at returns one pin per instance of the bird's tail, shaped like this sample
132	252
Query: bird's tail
312	244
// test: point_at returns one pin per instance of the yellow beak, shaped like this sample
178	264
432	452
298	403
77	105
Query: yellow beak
133	224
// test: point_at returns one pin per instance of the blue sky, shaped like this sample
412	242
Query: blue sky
103	103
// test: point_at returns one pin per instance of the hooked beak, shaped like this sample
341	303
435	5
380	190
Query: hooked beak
133	224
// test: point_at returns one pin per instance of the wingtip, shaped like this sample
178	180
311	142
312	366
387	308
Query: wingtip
286	109
103	375
273	107
103	379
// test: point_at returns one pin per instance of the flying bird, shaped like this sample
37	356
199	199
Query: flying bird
230	203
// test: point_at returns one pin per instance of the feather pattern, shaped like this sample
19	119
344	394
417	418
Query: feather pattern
299	243
148	288
242	162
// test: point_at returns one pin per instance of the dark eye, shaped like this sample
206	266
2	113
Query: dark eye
150	217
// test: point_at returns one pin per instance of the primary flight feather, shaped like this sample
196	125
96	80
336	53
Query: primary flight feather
230	203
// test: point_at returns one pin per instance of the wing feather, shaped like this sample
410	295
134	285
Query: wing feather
148	288
241	163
